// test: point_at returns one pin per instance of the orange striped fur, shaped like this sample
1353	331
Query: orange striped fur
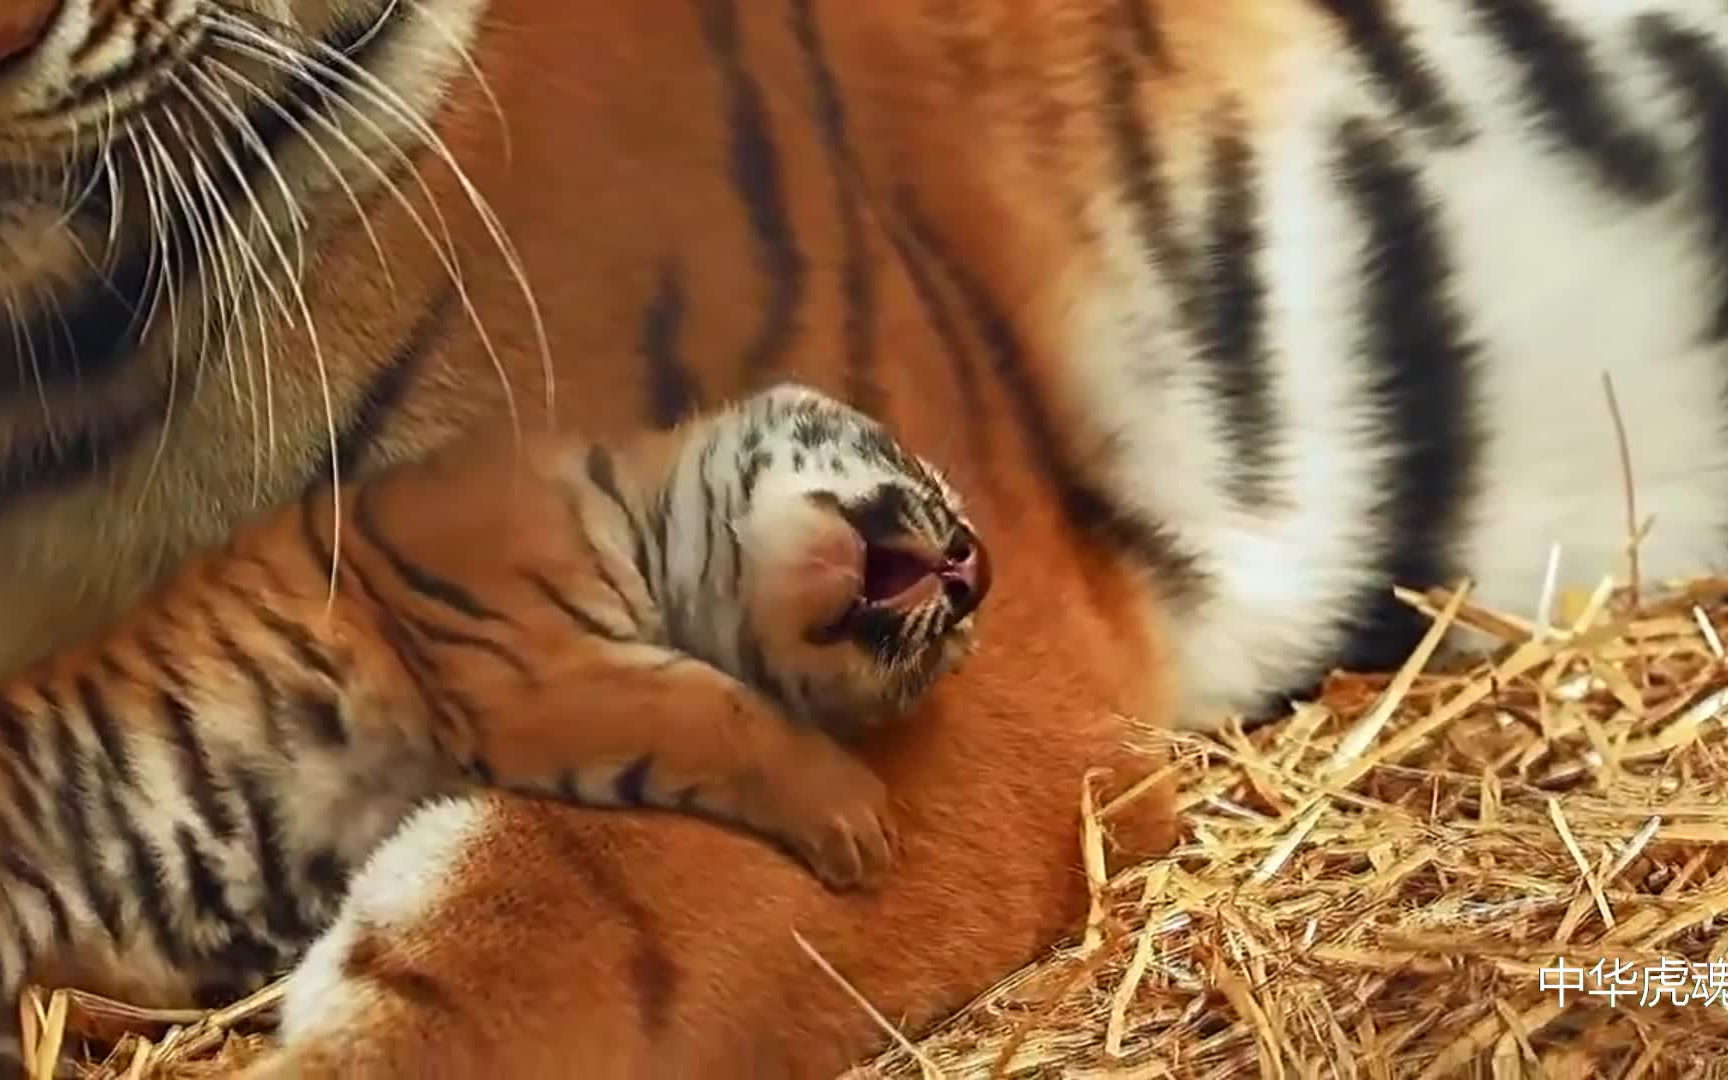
693	620
704	197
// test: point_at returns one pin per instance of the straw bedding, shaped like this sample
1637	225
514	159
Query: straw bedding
1395	881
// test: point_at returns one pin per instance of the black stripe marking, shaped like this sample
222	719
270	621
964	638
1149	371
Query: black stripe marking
673	390
945	325
712	521
370	959
108	733
1402	73
734	547
151	646
92	333
58	461
444	635
33	879
857	283
282	916
1415	343
243	958
102	32
17	737
631	786
1218	299
751	468
311	535
611	583
880	515
659	521
424	672
1139	168
53	722
24	792
417	578
585	622
75	795
1233	341
1567	92
567	788
292	635
148	878
652	975
603	474
264	690
209	895
145	36
326	874
1088	510
1145	32
757	180
1699	72
195	769
384	393
323	717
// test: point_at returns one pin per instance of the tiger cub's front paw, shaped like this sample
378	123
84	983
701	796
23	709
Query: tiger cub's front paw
833	812
851	844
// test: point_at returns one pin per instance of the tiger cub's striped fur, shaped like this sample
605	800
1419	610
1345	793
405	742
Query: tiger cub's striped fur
183	798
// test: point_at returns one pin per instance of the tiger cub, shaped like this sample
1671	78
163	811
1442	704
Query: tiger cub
685	621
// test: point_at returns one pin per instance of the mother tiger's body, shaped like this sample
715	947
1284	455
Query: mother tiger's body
1236	310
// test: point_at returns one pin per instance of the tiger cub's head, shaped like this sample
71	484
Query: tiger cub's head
857	575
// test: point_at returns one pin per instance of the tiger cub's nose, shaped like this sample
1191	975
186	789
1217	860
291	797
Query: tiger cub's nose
965	574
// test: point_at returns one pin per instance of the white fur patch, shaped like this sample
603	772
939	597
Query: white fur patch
406	875
1557	282
403	880
1280	581
317	996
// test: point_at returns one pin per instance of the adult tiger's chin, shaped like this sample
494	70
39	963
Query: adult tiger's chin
219	219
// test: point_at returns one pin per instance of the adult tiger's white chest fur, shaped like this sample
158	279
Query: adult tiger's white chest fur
1374	347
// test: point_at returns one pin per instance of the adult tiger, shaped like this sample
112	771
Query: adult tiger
1236	312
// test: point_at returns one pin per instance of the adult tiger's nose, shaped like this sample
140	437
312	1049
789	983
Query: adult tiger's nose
23	23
